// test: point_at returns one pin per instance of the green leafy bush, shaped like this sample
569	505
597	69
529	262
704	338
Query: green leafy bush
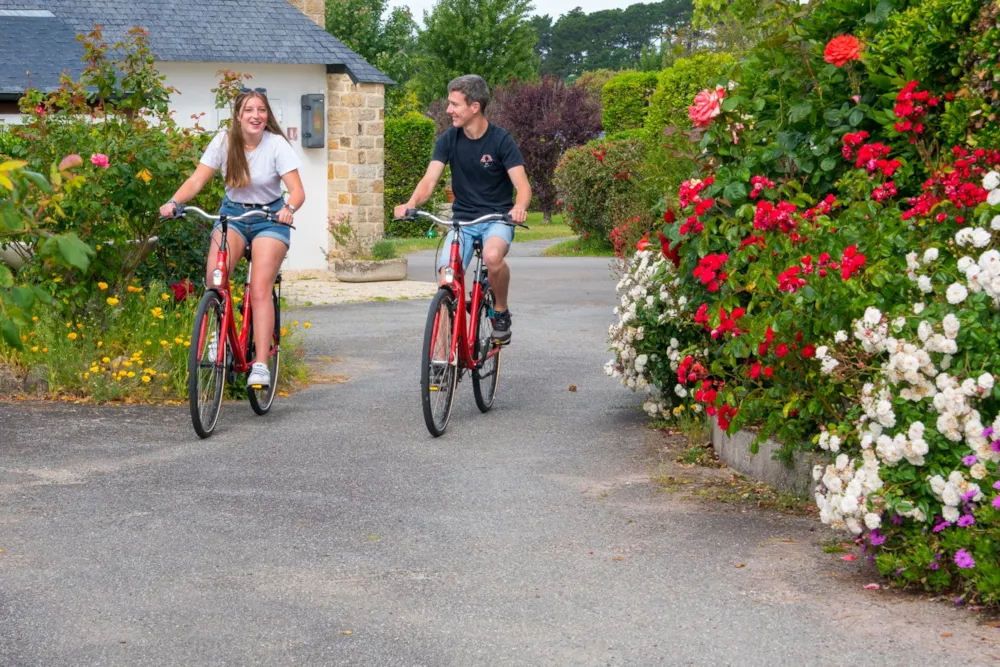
599	187
409	144
676	87
383	250
625	100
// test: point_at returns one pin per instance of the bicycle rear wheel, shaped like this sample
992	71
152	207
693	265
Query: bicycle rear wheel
486	375
261	399
438	377
207	364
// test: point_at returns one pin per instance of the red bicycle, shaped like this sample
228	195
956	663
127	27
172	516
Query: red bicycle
210	363
452	346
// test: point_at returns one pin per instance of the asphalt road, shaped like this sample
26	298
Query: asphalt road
336	531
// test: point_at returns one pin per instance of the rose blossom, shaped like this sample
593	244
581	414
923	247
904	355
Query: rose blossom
842	49
99	159
707	105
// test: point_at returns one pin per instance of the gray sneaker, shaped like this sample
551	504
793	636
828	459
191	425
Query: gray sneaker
259	377
501	327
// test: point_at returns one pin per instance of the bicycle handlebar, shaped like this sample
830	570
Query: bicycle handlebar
181	209
412	214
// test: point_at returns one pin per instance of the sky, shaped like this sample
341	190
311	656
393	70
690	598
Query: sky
554	8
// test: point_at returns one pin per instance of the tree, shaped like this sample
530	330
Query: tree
492	38
612	38
543	35
545	119
384	41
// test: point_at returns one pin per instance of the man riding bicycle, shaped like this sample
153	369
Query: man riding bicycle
486	168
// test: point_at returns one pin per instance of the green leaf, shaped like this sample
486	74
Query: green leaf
11	334
856	117
735	192
69	249
24	297
800	111
40	182
6	277
731	103
828	164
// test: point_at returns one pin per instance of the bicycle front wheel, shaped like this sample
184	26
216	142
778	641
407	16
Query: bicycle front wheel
486	375
438	376
261	399
207	364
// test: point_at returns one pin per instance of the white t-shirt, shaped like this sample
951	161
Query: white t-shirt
271	160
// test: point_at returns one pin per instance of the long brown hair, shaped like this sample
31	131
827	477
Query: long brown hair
237	168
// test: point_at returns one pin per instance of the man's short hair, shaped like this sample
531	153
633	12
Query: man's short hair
473	87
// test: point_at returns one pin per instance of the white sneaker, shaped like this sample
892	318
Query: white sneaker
259	375
213	348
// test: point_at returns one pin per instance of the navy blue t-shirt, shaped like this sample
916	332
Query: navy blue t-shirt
479	170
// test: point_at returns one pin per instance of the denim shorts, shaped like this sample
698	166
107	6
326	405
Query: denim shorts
484	230
252	228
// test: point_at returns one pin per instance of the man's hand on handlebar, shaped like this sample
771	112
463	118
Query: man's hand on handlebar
400	211
518	214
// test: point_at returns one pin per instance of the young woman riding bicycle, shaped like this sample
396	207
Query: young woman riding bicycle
256	158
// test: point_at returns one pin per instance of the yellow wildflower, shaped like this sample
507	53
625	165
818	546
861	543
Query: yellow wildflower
131	374
103	286
127	364
145	378
178	340
94	369
306	325
45	350
35	318
187	343
134	289
69	325
98	249
105	360
165	296
163	343
157	312
112	301
86	375
295	323
79	325
148	343
100	343
34	348
24	339
144	175
284	331
71	336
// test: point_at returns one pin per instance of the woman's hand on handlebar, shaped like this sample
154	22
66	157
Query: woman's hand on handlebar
168	210
285	216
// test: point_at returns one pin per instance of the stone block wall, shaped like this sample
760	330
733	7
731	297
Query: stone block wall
314	9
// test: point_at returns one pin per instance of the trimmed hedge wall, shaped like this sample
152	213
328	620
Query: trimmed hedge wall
676	87
625	99
409	145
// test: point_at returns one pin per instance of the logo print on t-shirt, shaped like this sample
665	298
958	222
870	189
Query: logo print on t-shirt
486	161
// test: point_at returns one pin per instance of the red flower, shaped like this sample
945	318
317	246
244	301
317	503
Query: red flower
842	49
808	352
643	243
781	350
673	254
182	289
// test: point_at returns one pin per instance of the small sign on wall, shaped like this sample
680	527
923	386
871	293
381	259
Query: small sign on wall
313	121
292	132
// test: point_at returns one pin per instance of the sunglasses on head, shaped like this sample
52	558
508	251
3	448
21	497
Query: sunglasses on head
262	91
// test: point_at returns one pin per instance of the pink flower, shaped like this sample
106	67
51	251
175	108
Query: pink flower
100	159
40	110
707	105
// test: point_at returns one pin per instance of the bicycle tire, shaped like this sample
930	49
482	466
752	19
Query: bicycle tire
261	399
437	380
486	375
207	377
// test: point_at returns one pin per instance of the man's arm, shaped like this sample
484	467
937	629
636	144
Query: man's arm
523	200
424	189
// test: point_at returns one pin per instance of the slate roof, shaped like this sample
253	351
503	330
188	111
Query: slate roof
251	31
44	48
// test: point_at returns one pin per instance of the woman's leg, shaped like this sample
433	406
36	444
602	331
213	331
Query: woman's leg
268	253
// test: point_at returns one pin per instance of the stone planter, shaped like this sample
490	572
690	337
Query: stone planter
369	270
735	451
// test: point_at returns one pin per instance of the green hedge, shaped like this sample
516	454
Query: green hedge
409	144
625	99
676	87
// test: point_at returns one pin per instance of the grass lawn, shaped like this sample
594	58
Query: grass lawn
578	247
538	232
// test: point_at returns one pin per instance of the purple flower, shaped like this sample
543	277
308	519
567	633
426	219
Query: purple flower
996	485
970	460
935	565
988	431
996	503
966	520
969	495
898	520
941	526
964	559
995	445
899	572
876	538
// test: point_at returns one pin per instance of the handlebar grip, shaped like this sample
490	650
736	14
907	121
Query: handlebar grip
411	213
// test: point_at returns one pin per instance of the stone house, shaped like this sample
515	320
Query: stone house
282	44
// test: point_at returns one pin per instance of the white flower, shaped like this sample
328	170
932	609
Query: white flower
841	336
924	283
918	307
821	351
829	364
991	181
872	316
872	520
977	471
956	292
995	223
924	330
930	255
993	198
985	382
948	512
951	325
981	238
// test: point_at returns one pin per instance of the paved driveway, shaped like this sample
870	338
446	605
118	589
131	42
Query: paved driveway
335	531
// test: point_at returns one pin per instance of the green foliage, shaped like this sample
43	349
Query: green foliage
608	39
383	249
625	99
593	81
409	144
383	40
677	85
599	185
491	38
924	40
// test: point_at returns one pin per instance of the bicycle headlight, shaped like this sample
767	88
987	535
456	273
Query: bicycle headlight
449	274
217	277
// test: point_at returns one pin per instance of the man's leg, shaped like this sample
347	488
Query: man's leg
494	253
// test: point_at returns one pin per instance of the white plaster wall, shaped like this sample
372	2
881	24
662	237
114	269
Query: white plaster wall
285	86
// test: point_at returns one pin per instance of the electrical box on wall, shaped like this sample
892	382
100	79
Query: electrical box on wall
313	121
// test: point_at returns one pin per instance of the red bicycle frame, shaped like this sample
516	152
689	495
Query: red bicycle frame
463	334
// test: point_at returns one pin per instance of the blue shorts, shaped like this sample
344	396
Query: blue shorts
483	231
253	228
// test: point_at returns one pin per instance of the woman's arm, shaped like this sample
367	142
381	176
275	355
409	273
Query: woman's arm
296	196
191	187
